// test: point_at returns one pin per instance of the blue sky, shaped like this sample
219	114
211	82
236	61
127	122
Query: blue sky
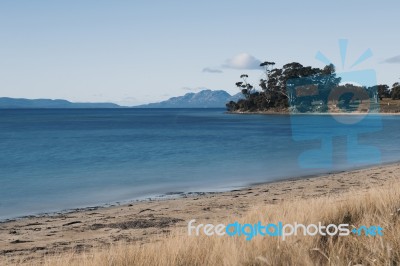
133	52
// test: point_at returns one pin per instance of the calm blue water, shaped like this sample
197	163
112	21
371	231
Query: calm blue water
60	159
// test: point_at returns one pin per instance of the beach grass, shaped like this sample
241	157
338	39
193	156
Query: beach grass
374	206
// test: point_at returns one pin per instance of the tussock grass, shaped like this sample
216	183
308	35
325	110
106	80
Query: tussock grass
377	206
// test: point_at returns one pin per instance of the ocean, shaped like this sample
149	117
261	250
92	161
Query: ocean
60	159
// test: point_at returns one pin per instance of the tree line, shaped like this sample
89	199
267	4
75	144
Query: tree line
304	88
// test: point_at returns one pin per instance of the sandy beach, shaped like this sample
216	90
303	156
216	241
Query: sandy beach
82	230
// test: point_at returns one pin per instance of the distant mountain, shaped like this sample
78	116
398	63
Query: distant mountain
202	99
47	103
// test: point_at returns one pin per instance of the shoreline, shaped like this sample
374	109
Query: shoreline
143	222
311	114
180	194
161	197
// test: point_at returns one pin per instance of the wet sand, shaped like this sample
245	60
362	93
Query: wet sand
141	222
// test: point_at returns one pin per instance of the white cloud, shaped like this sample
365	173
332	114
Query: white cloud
211	70
242	61
393	60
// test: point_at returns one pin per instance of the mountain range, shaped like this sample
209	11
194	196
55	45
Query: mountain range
202	99
11	103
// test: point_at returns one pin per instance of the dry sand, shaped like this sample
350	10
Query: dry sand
143	222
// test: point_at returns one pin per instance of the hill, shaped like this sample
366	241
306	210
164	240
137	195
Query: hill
202	99
9	103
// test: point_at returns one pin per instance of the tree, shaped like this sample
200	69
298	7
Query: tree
268	66
244	86
396	91
383	91
231	106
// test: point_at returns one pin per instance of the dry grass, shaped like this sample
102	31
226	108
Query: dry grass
377	206
389	106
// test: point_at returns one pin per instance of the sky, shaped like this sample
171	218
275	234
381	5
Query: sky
135	52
